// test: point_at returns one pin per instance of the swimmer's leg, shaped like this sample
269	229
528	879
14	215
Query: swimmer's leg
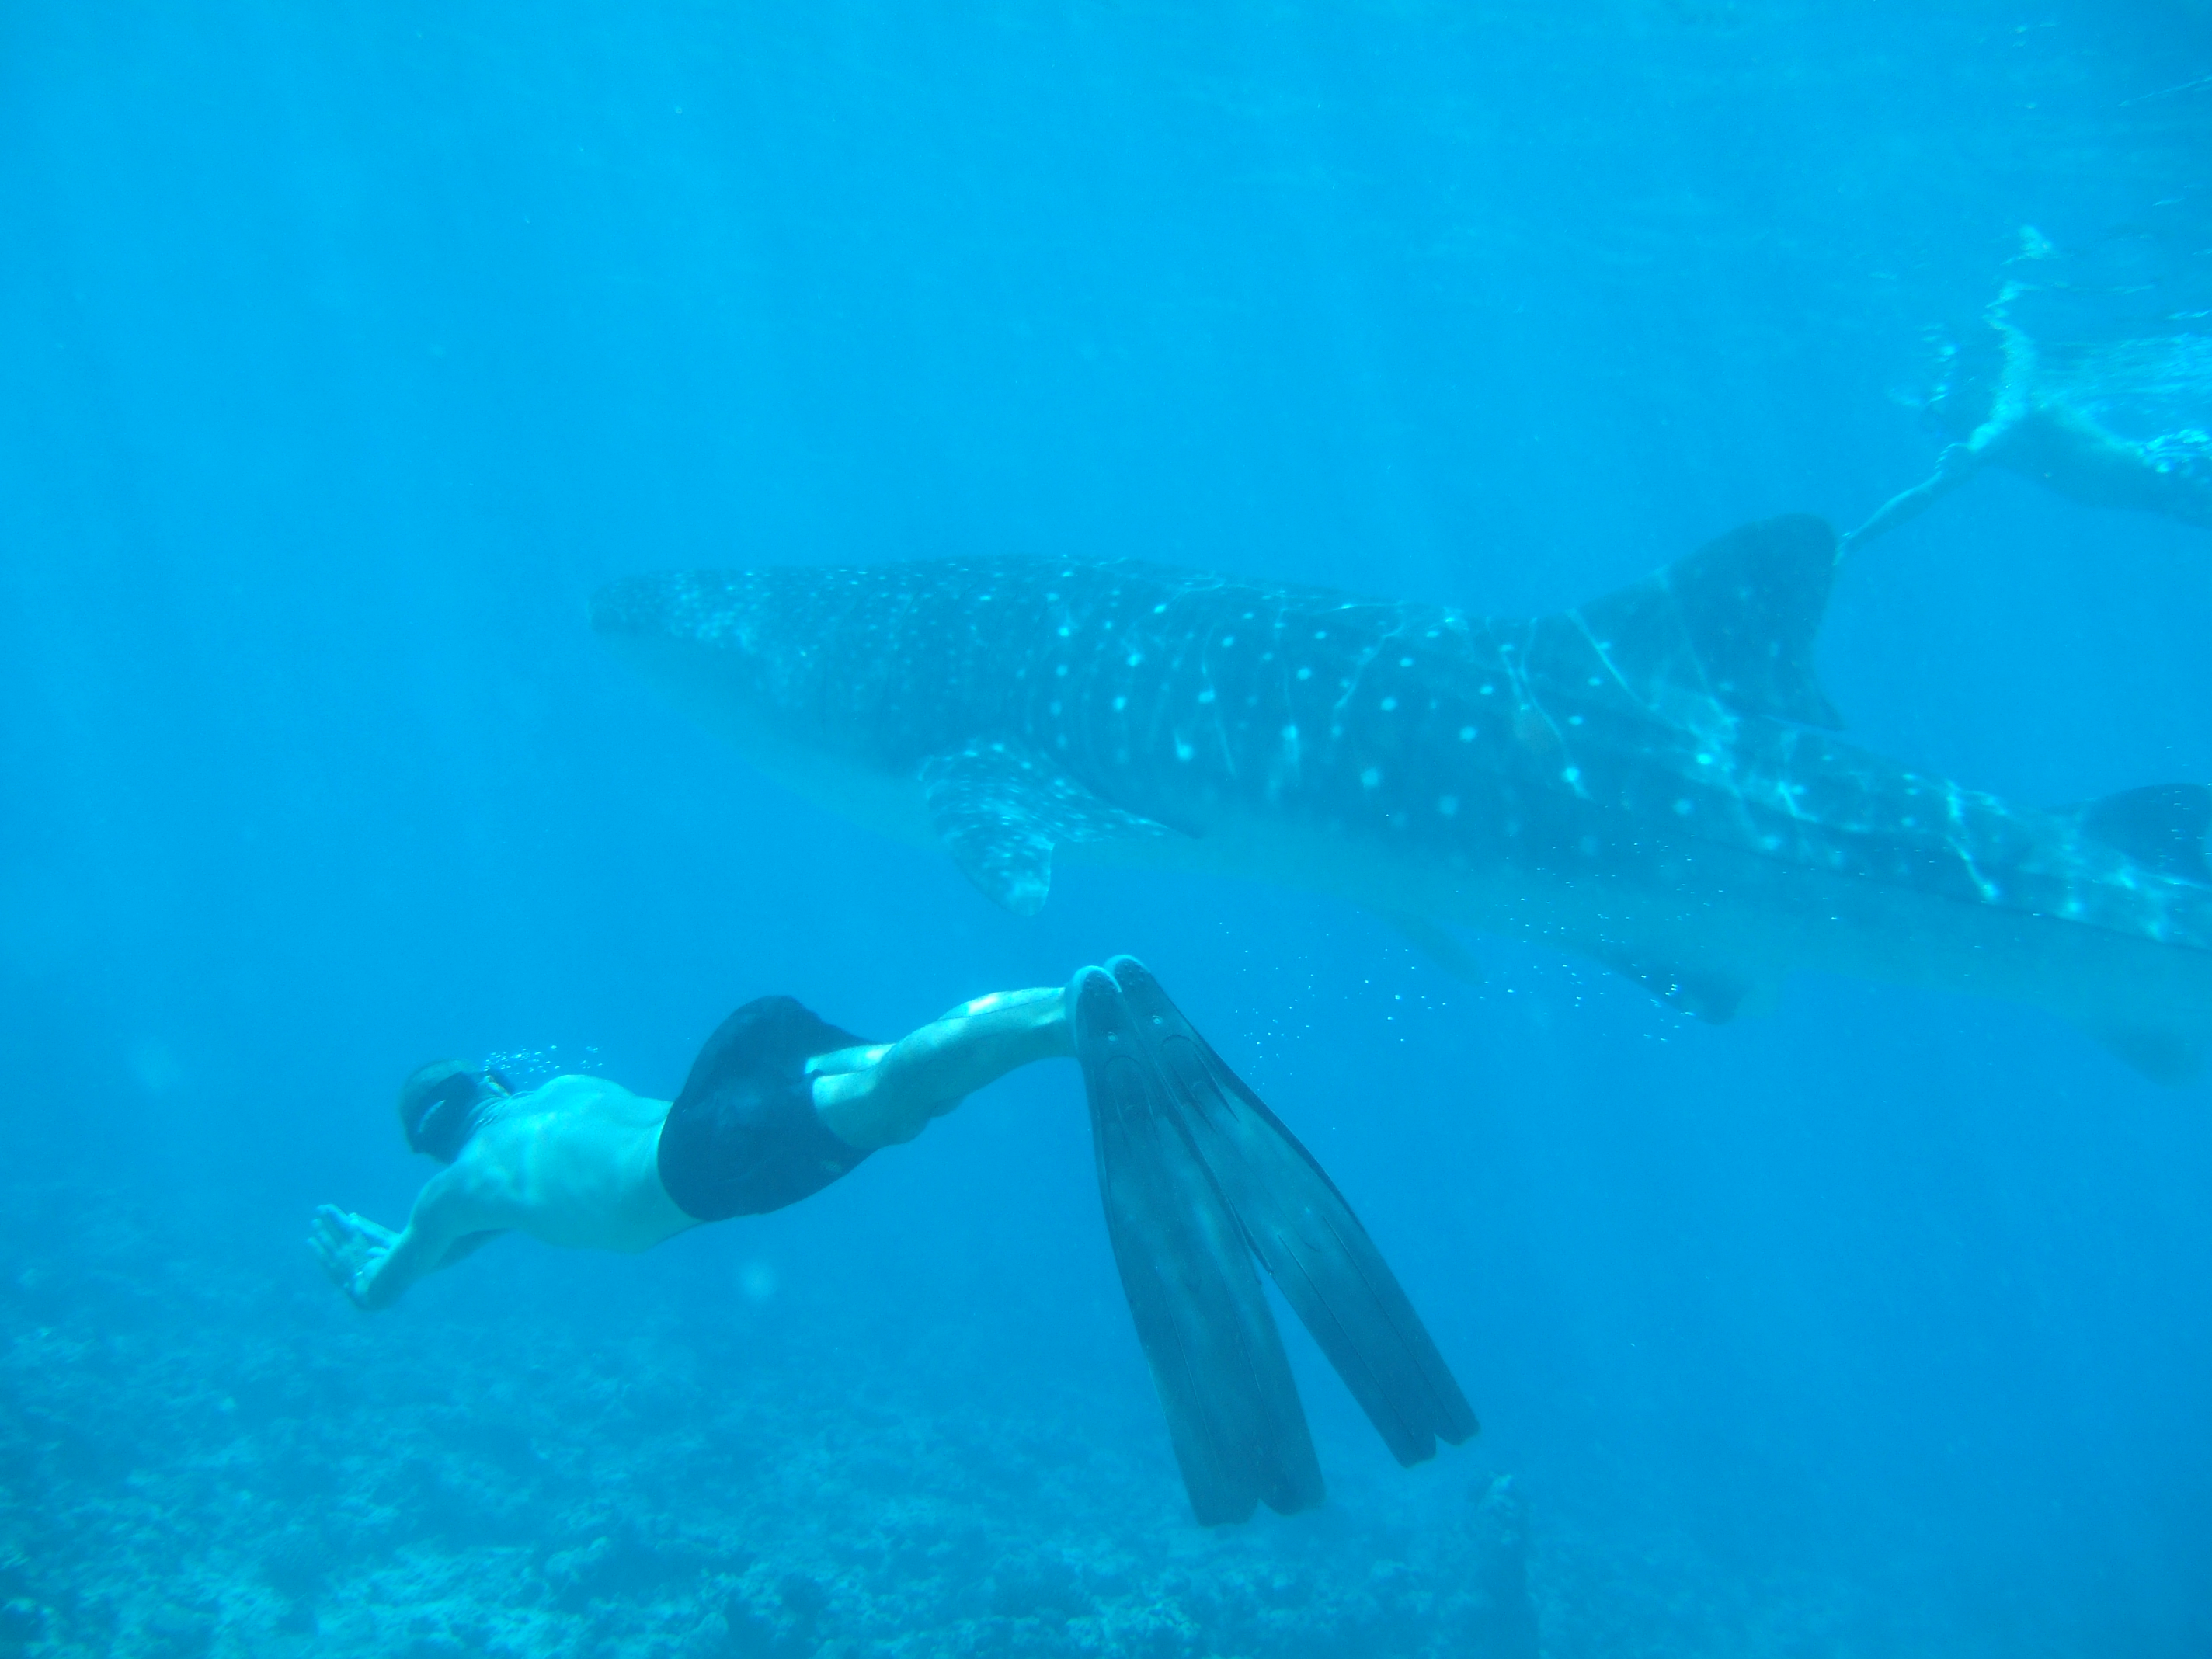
884	1094
1956	464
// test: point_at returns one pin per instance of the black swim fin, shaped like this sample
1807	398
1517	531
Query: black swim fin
1198	1175
1232	1409
1300	1227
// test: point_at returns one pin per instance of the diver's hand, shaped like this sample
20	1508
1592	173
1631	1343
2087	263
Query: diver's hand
353	1251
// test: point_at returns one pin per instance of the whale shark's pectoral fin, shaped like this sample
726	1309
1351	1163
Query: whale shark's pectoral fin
1000	810
2164	1055
1435	942
1735	620
1713	995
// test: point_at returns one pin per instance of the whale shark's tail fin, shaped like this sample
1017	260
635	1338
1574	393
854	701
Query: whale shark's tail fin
1182	1143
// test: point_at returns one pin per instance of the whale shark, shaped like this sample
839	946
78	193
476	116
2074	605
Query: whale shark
1653	780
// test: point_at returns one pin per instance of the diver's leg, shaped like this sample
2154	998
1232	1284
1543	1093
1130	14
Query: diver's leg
881	1095
1956	464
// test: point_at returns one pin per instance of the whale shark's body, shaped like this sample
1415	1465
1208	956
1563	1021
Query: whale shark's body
1650	779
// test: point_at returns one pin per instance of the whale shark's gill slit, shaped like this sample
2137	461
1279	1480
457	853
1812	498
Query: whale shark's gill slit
1288	771
1602	650
1352	678
1532	725
1207	717
1955	801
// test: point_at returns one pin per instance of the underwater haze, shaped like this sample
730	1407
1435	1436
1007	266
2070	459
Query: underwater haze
347	351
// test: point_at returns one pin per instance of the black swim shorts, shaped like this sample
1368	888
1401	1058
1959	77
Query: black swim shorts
742	1138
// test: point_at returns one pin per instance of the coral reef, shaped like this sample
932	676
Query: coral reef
195	1460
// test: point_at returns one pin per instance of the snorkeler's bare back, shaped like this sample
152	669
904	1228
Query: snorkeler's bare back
574	1162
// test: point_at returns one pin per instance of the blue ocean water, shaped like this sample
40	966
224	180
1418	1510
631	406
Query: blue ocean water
346	350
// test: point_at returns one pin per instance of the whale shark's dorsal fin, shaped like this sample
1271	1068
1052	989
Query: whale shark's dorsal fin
1736	619
1000	810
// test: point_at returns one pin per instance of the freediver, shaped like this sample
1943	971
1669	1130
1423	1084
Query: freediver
779	1104
1198	1177
2049	417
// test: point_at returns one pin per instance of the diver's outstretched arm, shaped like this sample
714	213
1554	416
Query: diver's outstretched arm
374	1266
1956	464
882	1095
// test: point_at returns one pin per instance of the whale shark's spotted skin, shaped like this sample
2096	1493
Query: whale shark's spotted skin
1667	742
